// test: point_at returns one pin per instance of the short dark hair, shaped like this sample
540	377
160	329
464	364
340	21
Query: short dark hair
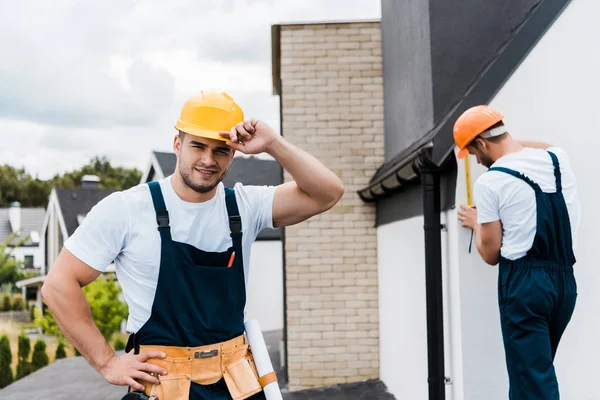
182	135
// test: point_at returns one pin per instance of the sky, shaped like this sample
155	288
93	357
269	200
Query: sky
108	78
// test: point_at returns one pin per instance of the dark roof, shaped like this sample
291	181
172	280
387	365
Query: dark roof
248	170
167	162
253	171
32	220
368	390
78	201
435	148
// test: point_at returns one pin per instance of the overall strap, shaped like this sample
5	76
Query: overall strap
519	175
162	215
235	221
557	175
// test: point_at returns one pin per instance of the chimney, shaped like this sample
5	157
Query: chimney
90	182
14	216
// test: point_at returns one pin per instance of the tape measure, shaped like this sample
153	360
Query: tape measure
468	176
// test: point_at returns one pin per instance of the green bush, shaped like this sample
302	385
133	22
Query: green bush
119	344
32	311
6	373
23	365
18	303
6	302
60	351
39	358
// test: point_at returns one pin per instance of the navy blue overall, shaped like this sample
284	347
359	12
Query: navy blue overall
199	300
536	296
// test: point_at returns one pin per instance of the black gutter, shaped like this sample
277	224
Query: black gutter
430	179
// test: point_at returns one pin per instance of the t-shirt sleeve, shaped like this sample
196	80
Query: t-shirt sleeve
258	201
486	202
102	234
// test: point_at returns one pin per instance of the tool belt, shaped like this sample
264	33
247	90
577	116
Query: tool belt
206	365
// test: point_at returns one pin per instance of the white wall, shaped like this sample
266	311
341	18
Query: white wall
264	300
20	252
552	97
402	312
483	366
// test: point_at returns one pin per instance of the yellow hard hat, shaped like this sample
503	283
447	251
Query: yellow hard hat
209	113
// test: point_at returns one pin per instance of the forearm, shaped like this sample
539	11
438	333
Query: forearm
72	313
488	252
311	176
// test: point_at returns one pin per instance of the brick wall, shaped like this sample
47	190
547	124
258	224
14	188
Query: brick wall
332	93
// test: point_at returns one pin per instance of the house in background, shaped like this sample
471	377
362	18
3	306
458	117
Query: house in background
23	222
67	207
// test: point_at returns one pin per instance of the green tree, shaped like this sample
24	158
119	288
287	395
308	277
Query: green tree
6	373
119	344
47	322
23	365
10	269
60	351
18	185
39	358
107	309
117	178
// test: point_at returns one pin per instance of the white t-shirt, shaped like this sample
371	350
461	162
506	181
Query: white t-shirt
122	227
500	196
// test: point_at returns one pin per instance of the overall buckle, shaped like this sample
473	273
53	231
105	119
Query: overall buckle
162	218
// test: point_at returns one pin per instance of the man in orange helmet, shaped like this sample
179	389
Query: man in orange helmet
181	248
526	216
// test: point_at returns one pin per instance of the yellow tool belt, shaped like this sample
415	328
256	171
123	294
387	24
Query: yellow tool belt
206	365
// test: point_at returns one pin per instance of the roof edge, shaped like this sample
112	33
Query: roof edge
439	141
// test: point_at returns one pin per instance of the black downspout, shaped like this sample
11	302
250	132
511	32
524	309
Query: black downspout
285	327
430	179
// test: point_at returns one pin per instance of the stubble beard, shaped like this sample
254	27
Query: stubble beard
199	188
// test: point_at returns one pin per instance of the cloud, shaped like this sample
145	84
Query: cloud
58	67
80	79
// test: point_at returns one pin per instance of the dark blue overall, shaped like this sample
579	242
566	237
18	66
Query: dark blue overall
536	296
199	300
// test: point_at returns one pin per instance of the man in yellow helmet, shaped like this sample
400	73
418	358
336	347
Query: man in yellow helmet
181	247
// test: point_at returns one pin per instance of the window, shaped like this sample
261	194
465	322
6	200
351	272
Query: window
28	262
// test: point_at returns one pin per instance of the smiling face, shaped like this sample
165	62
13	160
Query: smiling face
202	162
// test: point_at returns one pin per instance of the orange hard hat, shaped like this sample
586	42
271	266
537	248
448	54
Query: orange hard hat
209	113
471	124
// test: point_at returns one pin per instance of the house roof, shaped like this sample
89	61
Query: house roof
435	148
167	162
74	202
32	220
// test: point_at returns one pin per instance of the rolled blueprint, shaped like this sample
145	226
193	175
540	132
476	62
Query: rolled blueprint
261	358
